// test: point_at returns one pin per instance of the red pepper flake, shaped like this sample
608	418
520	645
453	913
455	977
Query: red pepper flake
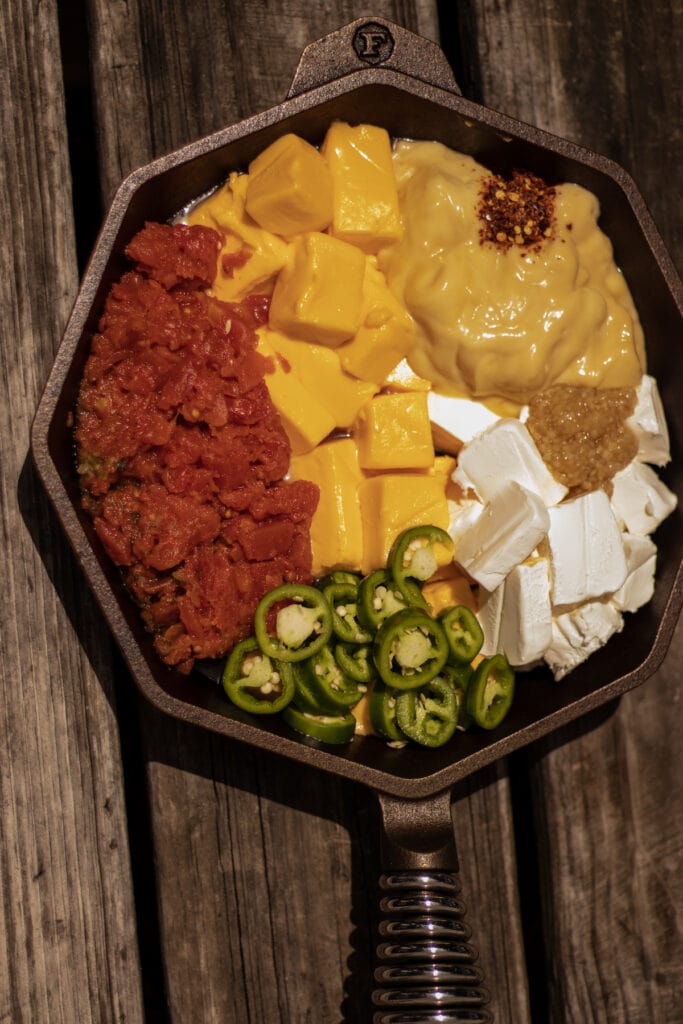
516	211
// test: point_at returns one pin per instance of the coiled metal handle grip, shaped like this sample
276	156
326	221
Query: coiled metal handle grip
425	967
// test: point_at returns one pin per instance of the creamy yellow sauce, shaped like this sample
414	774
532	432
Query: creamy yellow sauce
506	324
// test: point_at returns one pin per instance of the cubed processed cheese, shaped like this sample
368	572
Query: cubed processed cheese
452	589
365	199
393	432
318	294
336	529
386	332
305	420
318	368
444	465
290	188
404	378
390	503
263	253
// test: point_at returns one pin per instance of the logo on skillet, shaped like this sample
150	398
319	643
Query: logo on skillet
373	42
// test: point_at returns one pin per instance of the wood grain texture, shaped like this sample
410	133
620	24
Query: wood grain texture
484	833
266	873
608	800
68	949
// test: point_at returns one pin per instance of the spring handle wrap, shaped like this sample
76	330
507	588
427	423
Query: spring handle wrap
425	969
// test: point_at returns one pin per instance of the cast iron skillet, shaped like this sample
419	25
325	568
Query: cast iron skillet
374	71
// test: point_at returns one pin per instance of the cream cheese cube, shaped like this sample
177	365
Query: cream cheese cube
506	450
579	633
648	423
503	535
586	550
461	515
526	620
641	561
640	500
455	421
489	614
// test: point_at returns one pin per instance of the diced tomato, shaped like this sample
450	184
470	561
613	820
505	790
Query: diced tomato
176	254
182	454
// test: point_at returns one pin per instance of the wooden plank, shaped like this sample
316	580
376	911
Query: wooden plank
265	872
609	808
68	950
608	795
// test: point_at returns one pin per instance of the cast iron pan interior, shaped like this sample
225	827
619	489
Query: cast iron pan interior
407	106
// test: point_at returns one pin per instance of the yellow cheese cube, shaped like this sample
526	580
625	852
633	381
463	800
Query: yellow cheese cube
290	188
393	432
267	253
404	378
318	368
449	591
386	332
336	529
444	466
305	420
318	294
392	502
361	712
364	187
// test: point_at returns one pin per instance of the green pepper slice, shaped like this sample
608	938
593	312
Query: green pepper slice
412	557
342	598
378	598
460	676
410	649
304	697
490	692
382	708
463	632
335	729
355	660
256	683
338	576
428	716
329	688
303	624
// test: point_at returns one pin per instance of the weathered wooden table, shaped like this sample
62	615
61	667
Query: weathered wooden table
151	872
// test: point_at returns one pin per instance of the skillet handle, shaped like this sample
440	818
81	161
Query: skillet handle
370	43
424	965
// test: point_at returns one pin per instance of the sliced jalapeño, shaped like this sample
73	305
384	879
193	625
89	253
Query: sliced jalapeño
414	558
490	691
410	649
429	716
463	632
256	683
303	622
334	729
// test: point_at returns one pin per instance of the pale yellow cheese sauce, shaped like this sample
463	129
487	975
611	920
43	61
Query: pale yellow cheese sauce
506	323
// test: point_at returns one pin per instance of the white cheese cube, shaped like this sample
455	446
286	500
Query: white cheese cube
526	620
640	500
506	451
641	561
648	423
462	514
579	633
489	613
503	535
455	421
586	550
